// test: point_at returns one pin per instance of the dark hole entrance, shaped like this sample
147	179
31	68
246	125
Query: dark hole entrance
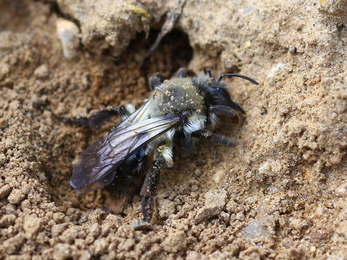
173	52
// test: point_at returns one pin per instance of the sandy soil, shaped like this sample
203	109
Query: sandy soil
283	195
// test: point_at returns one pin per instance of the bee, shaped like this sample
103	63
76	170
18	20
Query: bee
178	110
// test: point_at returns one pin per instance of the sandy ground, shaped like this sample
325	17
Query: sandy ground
283	195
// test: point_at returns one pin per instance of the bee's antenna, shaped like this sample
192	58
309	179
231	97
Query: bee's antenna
237	75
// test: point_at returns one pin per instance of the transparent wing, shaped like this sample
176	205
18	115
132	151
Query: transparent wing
98	164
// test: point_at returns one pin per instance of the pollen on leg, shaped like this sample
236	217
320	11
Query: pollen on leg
166	152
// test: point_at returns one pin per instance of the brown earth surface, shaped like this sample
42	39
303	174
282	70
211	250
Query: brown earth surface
282	195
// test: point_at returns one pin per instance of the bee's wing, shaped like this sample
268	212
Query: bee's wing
97	166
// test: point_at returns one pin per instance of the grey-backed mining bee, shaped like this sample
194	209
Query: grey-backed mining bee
177	111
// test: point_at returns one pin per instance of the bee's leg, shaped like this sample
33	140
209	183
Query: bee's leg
183	72
207	135
207	70
163	155
155	80
149	188
101	116
95	120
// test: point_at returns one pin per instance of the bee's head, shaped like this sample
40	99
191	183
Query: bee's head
216	95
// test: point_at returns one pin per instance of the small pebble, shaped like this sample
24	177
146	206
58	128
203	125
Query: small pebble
292	49
69	36
4	191
342	190
140	224
214	204
194	188
4	70
41	72
255	231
